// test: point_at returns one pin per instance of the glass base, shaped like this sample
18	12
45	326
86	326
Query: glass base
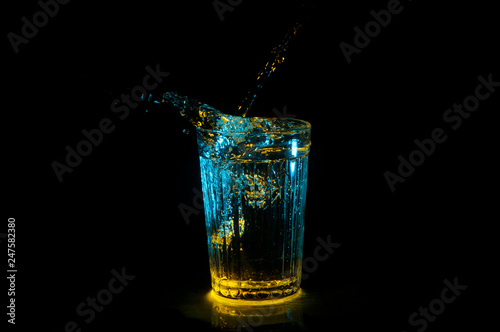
255	290
282	314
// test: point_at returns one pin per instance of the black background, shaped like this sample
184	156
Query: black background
120	206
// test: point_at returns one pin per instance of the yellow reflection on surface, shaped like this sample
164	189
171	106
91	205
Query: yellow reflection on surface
243	315
301	312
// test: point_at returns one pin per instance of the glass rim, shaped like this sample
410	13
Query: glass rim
304	125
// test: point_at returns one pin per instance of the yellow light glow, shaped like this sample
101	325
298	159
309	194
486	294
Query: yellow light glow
217	299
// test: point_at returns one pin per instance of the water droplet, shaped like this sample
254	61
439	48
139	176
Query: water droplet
278	57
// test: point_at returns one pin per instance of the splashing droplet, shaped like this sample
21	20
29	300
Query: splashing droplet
278	57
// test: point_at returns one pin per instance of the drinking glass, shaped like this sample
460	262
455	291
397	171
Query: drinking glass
254	192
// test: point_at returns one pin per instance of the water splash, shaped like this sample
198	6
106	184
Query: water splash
277	58
254	180
205	116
